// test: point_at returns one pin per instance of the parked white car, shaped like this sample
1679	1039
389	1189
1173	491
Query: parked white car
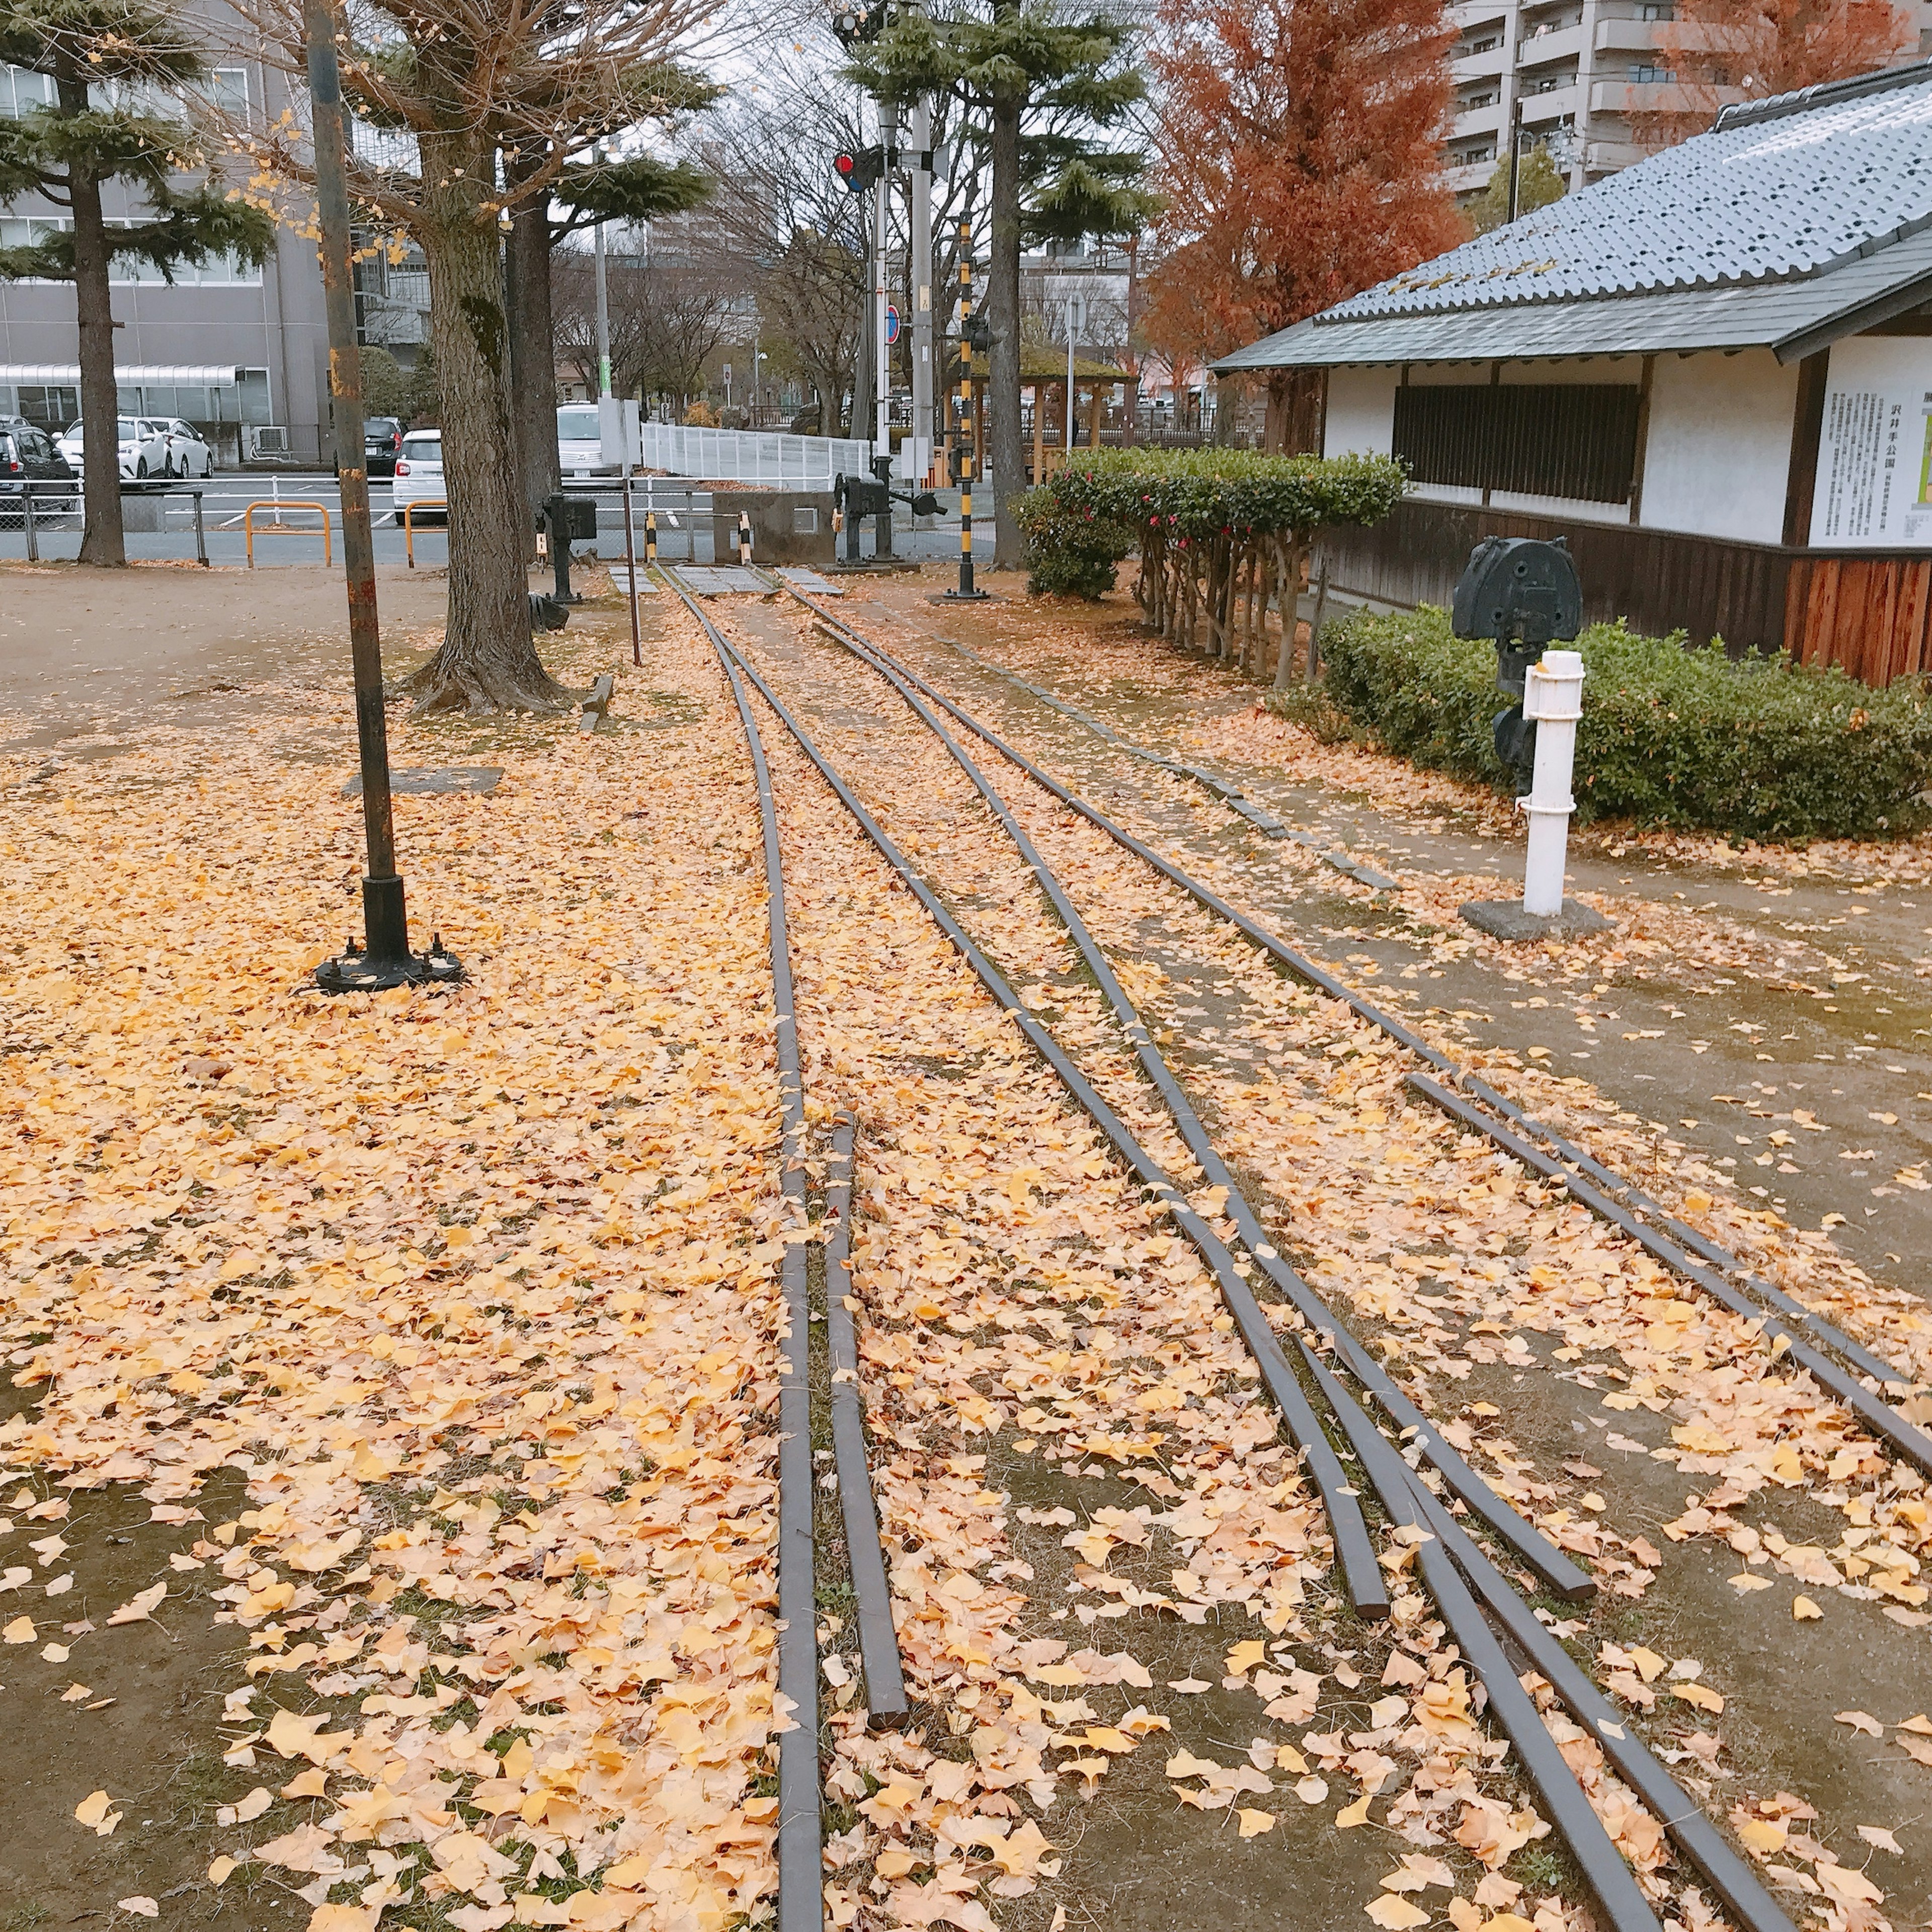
418	477
580	442
189	452
143	451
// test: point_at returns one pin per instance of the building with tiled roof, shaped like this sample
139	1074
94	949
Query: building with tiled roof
1712	370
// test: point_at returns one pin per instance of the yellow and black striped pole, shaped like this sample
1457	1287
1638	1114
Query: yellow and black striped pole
969	439
650	540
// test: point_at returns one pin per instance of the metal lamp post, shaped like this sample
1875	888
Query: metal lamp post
385	960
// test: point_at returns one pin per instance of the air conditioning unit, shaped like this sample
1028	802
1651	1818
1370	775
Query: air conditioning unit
266	439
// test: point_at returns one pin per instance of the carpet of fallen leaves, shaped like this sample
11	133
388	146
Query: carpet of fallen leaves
1447	1253
478	1294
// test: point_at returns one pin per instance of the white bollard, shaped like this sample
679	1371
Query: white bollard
1553	697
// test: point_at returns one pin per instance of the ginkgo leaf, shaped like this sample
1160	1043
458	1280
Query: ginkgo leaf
1254	1823
1395	1914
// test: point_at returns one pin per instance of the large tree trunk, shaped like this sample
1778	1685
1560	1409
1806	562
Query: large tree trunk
102	542
533	360
488	661
1002	314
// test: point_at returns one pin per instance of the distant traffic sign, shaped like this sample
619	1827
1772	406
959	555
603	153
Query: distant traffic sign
892	324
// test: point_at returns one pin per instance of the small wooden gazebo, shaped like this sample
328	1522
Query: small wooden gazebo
1043	372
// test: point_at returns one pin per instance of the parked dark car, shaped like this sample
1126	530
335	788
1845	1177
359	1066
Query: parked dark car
28	455
382	439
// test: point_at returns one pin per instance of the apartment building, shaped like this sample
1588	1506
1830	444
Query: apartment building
1577	70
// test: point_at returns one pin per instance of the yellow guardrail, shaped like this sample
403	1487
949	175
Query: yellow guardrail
278	528
408	524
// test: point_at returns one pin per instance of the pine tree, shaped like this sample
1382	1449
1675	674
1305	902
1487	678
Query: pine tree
1300	159
124	73
636	188
1041	82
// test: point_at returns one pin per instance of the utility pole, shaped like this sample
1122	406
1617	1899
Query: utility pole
603	322
882	354
1515	156
918	278
385	959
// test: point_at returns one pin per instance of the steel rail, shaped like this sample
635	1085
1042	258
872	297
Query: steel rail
1404	1499
1907	1438
1603	1866
1729	1876
1529	1543
1357	1552
801	1876
878	1640
1305	969
1643	1207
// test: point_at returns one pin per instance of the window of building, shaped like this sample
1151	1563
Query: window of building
222	271
22	91
1577	440
1656	9
1645	75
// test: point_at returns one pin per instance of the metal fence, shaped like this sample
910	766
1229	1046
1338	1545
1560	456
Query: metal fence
773	461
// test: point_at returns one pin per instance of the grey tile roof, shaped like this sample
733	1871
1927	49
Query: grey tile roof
1799	186
1791	216
1792	318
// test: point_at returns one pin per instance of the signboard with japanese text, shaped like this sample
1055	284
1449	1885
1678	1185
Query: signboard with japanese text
1874	487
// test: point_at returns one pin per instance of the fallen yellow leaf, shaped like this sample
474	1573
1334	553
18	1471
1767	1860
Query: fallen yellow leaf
1254	1823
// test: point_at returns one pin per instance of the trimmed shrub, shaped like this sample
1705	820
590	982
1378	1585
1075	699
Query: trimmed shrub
1762	748
1073	552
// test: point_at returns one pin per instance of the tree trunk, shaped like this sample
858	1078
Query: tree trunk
488	661
102	542
1297	400
1002	314
532	361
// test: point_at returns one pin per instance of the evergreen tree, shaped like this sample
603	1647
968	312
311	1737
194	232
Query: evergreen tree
119	68
1539	182
1041	83
638	188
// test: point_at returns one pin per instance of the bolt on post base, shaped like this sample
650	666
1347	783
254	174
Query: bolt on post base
386	962
1506	919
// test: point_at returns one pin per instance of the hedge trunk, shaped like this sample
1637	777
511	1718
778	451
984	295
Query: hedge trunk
533	361
488	661
102	542
1002	306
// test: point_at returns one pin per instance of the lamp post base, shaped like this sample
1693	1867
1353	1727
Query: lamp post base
356	971
964	597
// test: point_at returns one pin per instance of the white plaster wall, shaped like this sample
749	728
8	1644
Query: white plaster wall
1361	411
1719	455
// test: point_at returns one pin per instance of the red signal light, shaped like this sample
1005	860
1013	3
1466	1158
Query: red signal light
846	165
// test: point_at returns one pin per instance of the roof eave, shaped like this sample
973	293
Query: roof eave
1855	319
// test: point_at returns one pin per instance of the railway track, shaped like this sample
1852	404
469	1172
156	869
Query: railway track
1495	1624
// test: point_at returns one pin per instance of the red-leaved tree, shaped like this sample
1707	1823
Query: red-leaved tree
1299	147
1725	50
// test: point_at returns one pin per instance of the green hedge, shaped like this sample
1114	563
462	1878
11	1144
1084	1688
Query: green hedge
1084	519
1762	749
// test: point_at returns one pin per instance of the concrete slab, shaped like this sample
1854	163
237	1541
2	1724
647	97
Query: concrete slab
644	586
731	581
1505	918
810	580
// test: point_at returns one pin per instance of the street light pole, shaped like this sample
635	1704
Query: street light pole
603	317
385	960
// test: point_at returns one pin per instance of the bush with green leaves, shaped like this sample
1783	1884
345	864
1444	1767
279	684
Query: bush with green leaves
1760	748
1222	535
1073	553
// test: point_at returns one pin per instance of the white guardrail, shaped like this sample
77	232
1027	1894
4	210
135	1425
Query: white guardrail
774	461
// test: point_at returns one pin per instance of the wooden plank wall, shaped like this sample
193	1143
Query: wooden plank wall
1868	613
1871	613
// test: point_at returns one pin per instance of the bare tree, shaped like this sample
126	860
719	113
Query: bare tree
457	83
